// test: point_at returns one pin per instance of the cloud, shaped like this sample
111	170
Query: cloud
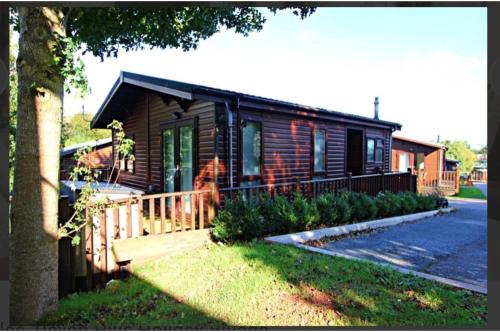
431	93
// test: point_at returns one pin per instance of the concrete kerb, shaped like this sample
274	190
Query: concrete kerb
450	282
476	200
298	240
303	237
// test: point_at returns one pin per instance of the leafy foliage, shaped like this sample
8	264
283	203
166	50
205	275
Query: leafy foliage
104	31
76	129
240	220
245	219
306	213
408	202
334	209
88	191
388	204
461	151
362	206
425	203
278	214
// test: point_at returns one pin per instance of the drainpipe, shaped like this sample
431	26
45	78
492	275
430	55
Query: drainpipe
390	151
229	119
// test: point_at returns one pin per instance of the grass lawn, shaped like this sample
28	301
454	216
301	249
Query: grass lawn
260	284
470	192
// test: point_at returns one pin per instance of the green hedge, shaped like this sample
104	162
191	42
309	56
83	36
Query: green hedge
245	219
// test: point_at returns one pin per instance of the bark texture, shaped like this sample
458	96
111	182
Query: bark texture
33	244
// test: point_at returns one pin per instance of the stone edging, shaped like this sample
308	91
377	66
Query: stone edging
317	234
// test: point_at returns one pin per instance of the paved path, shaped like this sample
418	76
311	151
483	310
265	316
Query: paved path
483	186
451	246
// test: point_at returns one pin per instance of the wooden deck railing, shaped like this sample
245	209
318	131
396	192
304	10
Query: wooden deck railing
370	184
445	181
137	216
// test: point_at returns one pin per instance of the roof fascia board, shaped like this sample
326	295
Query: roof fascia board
159	88
314	114
429	144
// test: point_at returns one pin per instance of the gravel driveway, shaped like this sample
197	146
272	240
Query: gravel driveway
451	246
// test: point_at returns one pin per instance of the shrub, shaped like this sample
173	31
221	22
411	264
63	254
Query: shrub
408	202
327	207
426	203
276	214
344	210
307	214
388	204
363	207
246	219
240	220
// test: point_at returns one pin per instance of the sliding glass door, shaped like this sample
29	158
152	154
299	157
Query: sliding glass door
178	156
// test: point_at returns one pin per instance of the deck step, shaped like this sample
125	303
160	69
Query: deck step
147	248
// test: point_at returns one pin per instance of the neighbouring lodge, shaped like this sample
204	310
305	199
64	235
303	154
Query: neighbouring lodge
101	157
419	156
188	135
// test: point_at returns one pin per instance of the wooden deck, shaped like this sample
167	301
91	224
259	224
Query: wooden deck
147	248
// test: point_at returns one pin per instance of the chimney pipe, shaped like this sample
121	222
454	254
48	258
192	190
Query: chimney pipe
376	108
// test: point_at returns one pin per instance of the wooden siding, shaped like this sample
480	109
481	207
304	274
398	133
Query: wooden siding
433	156
99	158
287	148
146	116
372	167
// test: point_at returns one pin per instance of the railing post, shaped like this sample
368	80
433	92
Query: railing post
213	205
457	180
349	181
89	250
382	174
408	187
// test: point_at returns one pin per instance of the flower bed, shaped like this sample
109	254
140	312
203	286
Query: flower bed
245	219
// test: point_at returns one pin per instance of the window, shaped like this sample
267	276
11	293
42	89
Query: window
375	150
251	150
319	151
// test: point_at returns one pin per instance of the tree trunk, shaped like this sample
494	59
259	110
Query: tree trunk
33	241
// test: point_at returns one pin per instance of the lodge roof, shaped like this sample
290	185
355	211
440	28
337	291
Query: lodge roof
412	140
188	91
94	144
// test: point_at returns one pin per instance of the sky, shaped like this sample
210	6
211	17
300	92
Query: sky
426	65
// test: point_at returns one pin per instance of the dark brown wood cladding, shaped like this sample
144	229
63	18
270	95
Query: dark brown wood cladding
161	110
372	167
287	148
287	143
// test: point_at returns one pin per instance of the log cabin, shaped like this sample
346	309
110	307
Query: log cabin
101	158
418	155
188	136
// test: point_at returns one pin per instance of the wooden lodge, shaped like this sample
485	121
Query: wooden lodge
101	157
190	135
196	146
428	161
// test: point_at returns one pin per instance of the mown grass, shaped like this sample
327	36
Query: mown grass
267	285
470	192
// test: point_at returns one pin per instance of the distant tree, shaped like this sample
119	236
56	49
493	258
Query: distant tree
51	40
461	151
76	129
